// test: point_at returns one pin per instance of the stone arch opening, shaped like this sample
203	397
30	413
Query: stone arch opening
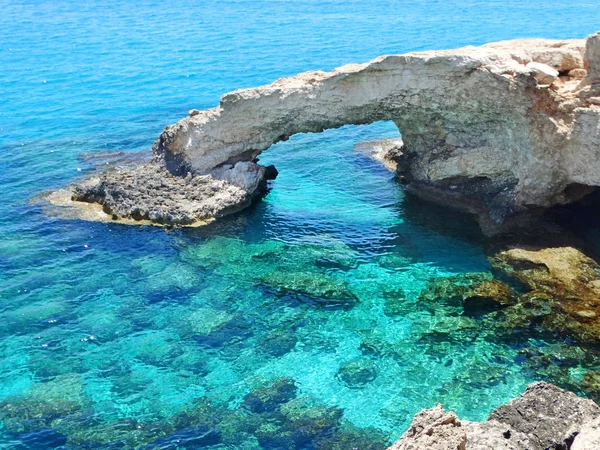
485	129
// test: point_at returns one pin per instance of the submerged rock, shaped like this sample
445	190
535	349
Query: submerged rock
305	420
267	399
394	302
279	342
557	291
279	420
591	384
363	439
476	293
358	372
311	287
562	294
302	424
543	417
45	404
490	130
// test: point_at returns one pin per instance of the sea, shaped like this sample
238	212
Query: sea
299	323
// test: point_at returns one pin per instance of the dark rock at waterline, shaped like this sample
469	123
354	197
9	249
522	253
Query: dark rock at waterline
152	193
357	373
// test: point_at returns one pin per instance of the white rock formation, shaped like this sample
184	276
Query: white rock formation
543	72
385	151
496	130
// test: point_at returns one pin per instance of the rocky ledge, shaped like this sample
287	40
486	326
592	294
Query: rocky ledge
544	417
499	131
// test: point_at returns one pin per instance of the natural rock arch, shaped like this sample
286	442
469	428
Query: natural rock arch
494	130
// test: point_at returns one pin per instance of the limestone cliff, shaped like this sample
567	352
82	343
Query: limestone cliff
497	131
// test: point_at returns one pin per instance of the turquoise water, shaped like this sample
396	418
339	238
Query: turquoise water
114	336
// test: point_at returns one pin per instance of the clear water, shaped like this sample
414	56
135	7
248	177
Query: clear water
110	333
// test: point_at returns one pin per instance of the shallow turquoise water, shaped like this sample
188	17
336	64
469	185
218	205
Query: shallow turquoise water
110	333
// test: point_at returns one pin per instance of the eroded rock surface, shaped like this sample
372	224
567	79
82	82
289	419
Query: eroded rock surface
562	291
553	290
150	192
544	417
497	131
433	429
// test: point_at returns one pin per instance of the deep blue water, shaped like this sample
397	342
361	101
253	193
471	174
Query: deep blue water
110	333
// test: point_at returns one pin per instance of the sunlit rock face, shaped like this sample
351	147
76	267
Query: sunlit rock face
543	417
497	130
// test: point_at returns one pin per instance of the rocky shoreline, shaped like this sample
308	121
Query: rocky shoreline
544	417
503	132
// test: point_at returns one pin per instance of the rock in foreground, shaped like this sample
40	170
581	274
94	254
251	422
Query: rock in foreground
498	131
544	417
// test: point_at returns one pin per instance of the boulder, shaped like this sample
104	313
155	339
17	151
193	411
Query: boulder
543	73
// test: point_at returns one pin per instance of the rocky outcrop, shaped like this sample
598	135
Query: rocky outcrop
151	193
544	417
561	291
497	131
554	290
